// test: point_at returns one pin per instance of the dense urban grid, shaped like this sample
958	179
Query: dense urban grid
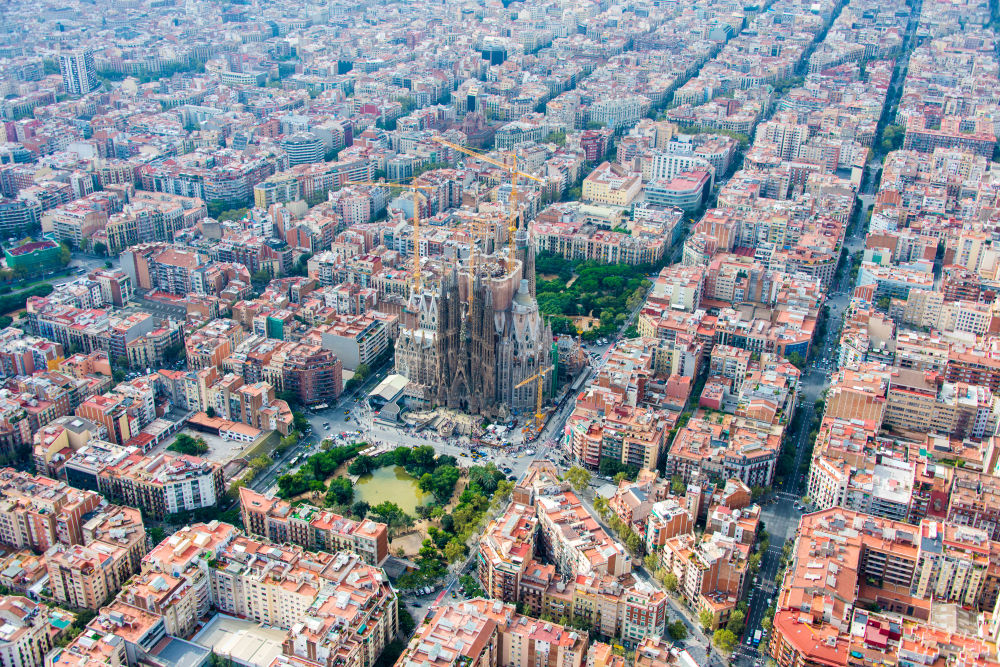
499	334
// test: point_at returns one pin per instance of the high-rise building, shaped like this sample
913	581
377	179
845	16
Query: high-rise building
303	148
77	69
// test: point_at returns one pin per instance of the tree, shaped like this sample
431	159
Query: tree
677	631
706	619
340	492
892	138
670	582
504	489
261	462
100	249
173	352
632	541
287	442
677	485
299	422
185	444
360	509
362	372
578	477
216	660
724	640
558	137
454	550
651	562
471	586
288	396
486	477
754	561
156	534
735	624
392	514
210	411
362	465
65	255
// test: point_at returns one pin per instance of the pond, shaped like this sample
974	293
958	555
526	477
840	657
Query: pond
391	483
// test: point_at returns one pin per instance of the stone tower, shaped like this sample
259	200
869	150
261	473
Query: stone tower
476	351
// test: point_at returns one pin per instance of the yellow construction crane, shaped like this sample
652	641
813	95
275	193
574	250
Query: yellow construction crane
540	377
514	173
416	220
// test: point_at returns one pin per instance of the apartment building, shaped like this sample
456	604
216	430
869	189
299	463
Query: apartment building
666	519
313	373
162	484
327	603
506	548
111	412
116	286
576	543
579	239
974	364
918	402
86	577
687	190
623	416
973	499
712	572
611	183
731	363
854	470
844	561
589	574
489	633
77	69
23	572
87	573
633	501
38	512
29	630
859	394
91	647
173	598
656	652
974	135
681	287
312	528
309	594
354	339
726	446
231	395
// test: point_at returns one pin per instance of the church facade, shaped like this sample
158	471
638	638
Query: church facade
470	354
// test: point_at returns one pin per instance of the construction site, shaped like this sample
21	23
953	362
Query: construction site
474	340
